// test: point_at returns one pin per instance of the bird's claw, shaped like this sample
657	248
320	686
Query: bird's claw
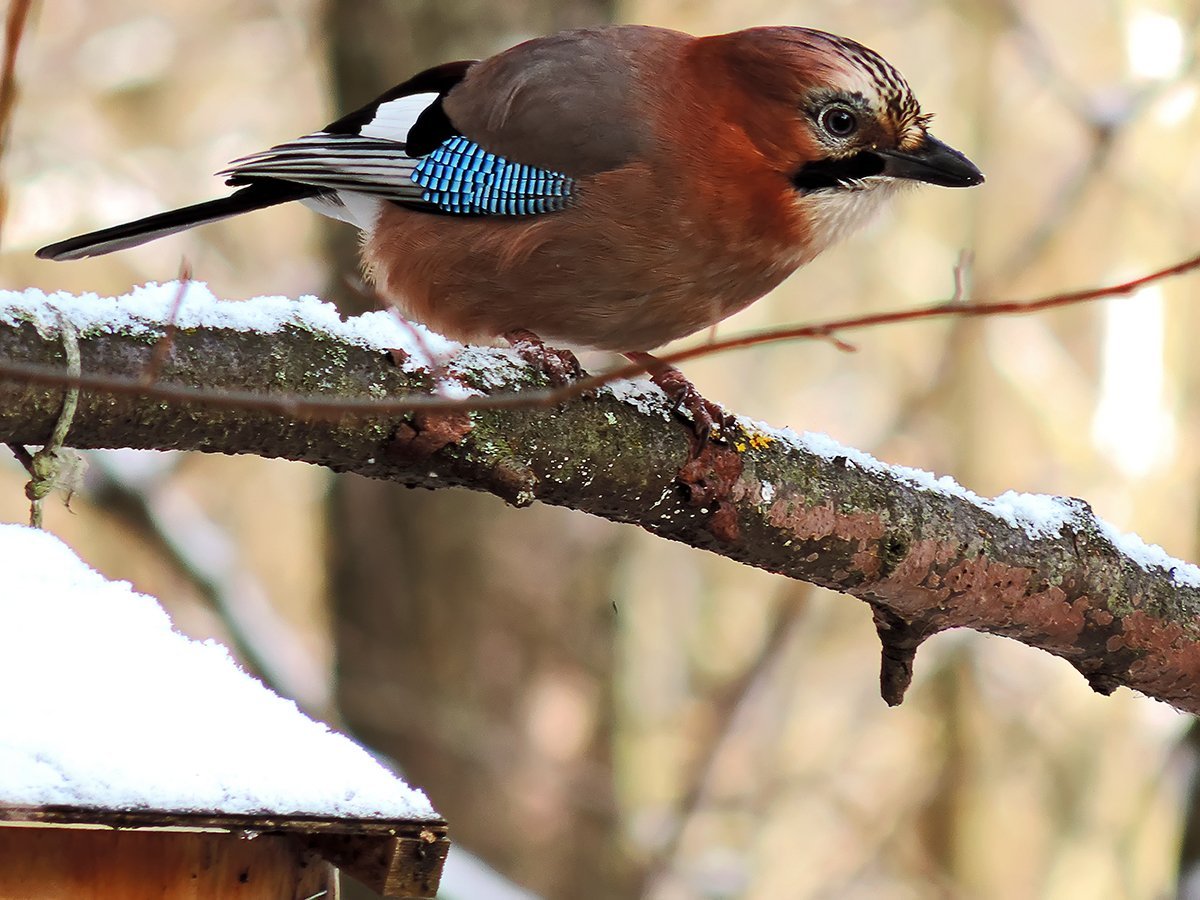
560	366
708	419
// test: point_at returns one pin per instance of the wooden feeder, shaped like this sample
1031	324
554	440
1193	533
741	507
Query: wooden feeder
158	855
136	764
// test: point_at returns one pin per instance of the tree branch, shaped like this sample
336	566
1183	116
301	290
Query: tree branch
925	554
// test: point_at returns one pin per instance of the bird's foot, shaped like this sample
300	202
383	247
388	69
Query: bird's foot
707	418
561	366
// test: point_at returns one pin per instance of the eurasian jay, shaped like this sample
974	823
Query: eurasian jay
612	188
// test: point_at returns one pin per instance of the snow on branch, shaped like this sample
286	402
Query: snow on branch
290	379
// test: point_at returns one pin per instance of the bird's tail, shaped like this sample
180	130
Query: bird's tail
254	196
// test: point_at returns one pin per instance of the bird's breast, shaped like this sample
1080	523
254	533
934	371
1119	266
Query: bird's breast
637	261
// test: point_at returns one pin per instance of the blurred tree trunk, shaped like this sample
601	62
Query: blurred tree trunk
476	642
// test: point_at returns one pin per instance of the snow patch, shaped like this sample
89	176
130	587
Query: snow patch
493	367
104	705
1151	556
145	309
1038	515
643	395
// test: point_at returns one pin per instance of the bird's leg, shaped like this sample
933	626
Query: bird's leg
560	366
705	414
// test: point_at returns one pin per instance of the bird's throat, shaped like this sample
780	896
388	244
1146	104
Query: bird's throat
832	215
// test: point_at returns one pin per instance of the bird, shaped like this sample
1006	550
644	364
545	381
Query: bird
612	188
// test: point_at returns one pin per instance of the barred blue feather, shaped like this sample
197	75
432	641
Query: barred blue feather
461	177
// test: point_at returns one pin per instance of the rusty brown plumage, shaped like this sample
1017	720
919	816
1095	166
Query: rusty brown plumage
699	218
615	188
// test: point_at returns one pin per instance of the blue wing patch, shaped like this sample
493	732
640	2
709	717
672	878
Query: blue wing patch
459	176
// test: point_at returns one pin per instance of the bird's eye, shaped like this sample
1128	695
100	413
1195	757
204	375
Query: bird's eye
839	121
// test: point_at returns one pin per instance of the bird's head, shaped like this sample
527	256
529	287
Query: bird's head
834	118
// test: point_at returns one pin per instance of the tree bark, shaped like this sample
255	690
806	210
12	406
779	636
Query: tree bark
925	557
461	624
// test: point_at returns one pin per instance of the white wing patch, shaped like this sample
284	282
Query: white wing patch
394	119
359	169
359	210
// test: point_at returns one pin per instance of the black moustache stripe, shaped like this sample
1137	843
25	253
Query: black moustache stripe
831	173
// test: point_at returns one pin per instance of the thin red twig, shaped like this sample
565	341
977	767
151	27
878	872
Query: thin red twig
162	349
324	408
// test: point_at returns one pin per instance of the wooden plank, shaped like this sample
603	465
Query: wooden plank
86	864
152	818
396	858
401	868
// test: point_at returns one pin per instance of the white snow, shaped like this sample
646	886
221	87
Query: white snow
1038	515
145	308
1151	556
103	705
643	395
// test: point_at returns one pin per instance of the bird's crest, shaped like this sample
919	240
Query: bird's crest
884	81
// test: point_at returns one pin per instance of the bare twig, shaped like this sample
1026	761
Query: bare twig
14	31
925	559
727	710
1042	61
175	526
51	466
163	348
336	408
24	457
963	269
1095	112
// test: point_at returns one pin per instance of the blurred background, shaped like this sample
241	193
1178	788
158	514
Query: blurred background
599	713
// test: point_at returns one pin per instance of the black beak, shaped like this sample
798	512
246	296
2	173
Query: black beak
933	162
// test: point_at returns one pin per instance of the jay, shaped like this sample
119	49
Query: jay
613	188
